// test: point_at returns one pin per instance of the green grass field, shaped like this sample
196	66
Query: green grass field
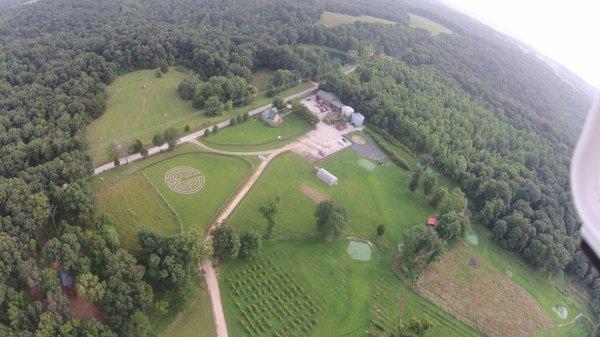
137	112
330	19
222	174
135	205
373	197
194	320
433	27
261	77
137	196
255	135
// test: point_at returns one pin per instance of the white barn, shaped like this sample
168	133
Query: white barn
327	177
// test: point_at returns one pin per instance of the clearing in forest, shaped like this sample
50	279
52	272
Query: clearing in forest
464	285
433	27
331	19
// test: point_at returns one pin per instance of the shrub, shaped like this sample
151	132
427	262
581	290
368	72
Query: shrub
381	229
186	128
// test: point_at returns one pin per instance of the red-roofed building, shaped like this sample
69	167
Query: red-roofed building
432	222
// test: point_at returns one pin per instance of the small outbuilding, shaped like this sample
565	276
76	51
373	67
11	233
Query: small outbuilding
271	116
327	177
347	111
357	119
432	222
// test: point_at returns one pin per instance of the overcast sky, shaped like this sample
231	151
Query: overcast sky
567	31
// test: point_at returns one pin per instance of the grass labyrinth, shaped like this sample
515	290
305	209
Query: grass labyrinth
139	197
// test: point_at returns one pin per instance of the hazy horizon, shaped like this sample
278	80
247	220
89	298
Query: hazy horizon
563	32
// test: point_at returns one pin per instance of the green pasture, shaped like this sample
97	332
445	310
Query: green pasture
256	135
433	27
261	77
222	174
372	197
140	105
194	320
331	19
135	205
137	197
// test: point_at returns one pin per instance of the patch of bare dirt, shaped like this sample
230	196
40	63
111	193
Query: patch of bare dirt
480	296
312	193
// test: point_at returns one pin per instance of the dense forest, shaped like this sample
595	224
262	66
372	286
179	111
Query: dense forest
499	122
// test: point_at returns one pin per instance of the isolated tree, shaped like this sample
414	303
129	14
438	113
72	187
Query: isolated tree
116	162
269	211
226	242
421	246
332	219
135	147
430	181
158	139
415	179
213	106
186	128
278	102
416	327
158	73
457	201
245	116
90	287
250	244
113	151
187	87
439	196
233	121
381	230
239	119
164	67
171	136
451	226
206	132
215	129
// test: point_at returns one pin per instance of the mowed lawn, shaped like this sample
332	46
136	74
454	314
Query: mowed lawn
255	134
222	176
331	19
134	204
140	106
373	197
195	319
433	27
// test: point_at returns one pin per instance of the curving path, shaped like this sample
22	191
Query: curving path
210	275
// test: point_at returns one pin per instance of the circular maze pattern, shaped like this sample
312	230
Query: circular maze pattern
184	180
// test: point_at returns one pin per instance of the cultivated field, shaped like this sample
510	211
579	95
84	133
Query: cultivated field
298	288
140	105
255	135
433	27
464	285
547	291
330	19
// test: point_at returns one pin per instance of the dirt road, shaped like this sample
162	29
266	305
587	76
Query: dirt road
215	298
